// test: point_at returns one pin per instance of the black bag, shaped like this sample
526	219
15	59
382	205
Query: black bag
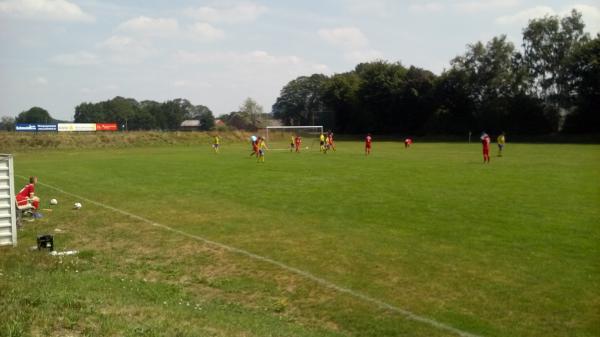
45	242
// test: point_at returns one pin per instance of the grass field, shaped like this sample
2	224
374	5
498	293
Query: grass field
506	249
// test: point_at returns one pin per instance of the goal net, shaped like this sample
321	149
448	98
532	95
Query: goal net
280	137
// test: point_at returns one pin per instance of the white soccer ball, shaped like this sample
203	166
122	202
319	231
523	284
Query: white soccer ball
77	205
53	202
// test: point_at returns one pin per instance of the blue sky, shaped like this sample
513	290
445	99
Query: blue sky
58	53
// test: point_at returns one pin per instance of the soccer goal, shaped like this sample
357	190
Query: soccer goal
280	137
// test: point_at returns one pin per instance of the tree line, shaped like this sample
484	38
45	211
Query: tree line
149	115
551	85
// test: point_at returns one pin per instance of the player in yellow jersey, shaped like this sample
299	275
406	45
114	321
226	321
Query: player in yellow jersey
292	144
262	147
322	142
501	142
216	143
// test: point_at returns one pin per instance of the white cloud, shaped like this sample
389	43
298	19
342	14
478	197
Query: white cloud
240	13
321	68
256	57
194	84
372	7
521	18
151	27
591	16
44	10
40	81
205	31
427	7
366	55
347	37
127	50
485	5
180	83
81	58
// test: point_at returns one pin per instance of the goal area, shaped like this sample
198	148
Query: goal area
280	137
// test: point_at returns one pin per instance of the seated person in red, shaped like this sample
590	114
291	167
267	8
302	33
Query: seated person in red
26	197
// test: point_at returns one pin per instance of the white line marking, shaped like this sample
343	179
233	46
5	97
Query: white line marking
321	281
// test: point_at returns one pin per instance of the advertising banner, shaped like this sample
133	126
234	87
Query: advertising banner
106	126
25	127
47	127
76	127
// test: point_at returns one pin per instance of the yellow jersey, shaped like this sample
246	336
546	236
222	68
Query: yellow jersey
322	137
501	140
217	140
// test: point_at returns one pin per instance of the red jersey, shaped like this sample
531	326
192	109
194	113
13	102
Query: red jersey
298	140
368	141
408	141
25	192
485	141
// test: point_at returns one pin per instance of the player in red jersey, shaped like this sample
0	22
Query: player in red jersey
485	142
298	143
368	141
254	142
408	142
330	141
27	195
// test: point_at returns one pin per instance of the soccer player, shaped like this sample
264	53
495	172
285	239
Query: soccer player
216	142
298	143
322	142
262	146
254	142
330	143
407	142
501	142
368	141
485	142
26	197
292	144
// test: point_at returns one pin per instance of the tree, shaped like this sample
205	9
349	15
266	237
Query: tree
300	101
205	116
548	43
174	112
34	115
340	95
379	93
493	78
238	120
7	123
417	101
253	112
89	113
584	70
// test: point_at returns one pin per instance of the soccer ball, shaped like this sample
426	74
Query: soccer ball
53	202
77	205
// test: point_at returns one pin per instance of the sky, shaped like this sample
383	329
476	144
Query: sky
56	54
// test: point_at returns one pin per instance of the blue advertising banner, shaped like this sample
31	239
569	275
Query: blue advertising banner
47	127
25	127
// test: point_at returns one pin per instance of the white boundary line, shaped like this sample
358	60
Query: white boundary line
305	274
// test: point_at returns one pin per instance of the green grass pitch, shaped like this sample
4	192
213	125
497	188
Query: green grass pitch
506	249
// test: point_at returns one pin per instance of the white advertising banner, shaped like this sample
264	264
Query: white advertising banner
69	127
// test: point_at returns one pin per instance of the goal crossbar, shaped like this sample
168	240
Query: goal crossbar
288	128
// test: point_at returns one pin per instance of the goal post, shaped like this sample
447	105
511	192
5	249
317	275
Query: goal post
279	137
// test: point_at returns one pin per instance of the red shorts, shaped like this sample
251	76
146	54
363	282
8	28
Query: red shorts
368	146
486	150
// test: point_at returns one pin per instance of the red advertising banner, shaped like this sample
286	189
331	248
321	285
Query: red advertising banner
106	126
